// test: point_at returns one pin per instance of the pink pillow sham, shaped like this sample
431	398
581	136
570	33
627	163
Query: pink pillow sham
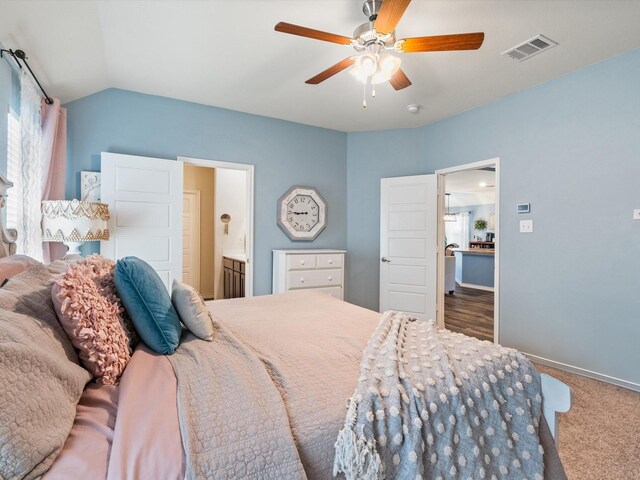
93	318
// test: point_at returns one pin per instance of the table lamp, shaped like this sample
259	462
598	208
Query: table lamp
74	222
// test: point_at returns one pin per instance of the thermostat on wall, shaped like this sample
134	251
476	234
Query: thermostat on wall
524	207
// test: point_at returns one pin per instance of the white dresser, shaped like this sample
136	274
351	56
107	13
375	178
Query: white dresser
320	270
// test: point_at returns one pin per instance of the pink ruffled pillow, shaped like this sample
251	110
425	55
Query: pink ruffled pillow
93	318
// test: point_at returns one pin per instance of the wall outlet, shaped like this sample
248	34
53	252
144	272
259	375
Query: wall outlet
526	226
636	214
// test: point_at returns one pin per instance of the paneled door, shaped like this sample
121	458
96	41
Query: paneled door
191	238
408	245
145	201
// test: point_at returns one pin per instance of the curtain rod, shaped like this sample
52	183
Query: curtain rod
20	55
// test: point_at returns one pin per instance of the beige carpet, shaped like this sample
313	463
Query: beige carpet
600	435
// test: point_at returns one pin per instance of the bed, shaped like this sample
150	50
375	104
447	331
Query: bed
269	394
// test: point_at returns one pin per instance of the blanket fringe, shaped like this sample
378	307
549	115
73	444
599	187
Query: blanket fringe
356	457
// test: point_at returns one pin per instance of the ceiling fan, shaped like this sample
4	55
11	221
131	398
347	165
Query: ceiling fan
375	43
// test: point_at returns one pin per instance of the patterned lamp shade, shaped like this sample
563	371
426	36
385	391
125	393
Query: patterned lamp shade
74	222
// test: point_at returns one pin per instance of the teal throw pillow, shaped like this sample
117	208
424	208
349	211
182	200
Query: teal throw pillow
148	303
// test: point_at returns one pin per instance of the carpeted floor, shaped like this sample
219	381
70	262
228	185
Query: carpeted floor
600	435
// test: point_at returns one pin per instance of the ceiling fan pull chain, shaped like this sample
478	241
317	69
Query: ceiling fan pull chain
364	95
373	88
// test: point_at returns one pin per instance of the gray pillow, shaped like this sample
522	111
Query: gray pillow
192	311
40	377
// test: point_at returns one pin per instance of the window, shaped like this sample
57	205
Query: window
13	167
458	231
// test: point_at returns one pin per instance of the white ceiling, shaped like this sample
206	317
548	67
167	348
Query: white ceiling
471	187
226	53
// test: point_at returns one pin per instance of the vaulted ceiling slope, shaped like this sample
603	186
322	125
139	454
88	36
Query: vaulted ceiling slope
227	54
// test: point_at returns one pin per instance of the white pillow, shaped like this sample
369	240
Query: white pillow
192	311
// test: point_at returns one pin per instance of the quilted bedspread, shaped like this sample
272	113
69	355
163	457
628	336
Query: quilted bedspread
435	404
216	444
277	370
40	379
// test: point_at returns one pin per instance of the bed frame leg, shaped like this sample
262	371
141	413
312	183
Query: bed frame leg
556	398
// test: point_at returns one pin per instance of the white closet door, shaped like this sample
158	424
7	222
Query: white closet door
408	245
145	201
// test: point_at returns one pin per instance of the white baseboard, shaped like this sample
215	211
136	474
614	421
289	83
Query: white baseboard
477	287
585	373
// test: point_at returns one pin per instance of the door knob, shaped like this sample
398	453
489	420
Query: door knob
385	259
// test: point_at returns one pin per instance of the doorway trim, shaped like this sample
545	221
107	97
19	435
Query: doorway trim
249	169
441	200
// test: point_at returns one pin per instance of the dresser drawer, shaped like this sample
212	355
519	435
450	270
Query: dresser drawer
330	260
315	278
302	262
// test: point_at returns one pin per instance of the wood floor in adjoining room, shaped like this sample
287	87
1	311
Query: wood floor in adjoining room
469	311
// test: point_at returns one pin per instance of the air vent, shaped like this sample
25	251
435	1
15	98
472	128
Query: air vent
530	48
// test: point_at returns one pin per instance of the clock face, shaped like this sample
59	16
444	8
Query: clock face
302	213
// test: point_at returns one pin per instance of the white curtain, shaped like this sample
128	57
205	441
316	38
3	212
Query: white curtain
33	173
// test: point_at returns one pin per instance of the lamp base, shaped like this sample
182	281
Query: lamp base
74	247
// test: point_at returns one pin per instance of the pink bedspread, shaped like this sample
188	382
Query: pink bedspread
128	431
92	432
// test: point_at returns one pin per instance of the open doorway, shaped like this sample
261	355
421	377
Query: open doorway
468	237
218	228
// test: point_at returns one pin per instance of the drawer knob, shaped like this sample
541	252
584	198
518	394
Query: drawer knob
330	278
302	262
302	280
330	262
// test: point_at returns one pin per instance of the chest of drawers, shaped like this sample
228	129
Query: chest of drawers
320	270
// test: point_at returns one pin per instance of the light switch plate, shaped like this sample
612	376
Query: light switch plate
526	226
636	214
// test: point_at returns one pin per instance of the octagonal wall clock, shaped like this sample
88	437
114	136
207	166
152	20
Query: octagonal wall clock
302	213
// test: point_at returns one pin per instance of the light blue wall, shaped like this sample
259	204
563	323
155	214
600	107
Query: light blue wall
284	154
570	147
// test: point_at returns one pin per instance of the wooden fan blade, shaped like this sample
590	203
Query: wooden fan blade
311	33
390	14
443	43
331	71
399	80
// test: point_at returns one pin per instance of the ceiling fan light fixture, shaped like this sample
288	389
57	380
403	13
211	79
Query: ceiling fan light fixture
368	69
366	65
389	64
448	216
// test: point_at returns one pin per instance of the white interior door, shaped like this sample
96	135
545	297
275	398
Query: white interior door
408	245
145	201
191	238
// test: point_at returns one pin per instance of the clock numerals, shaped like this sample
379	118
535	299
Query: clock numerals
302	213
